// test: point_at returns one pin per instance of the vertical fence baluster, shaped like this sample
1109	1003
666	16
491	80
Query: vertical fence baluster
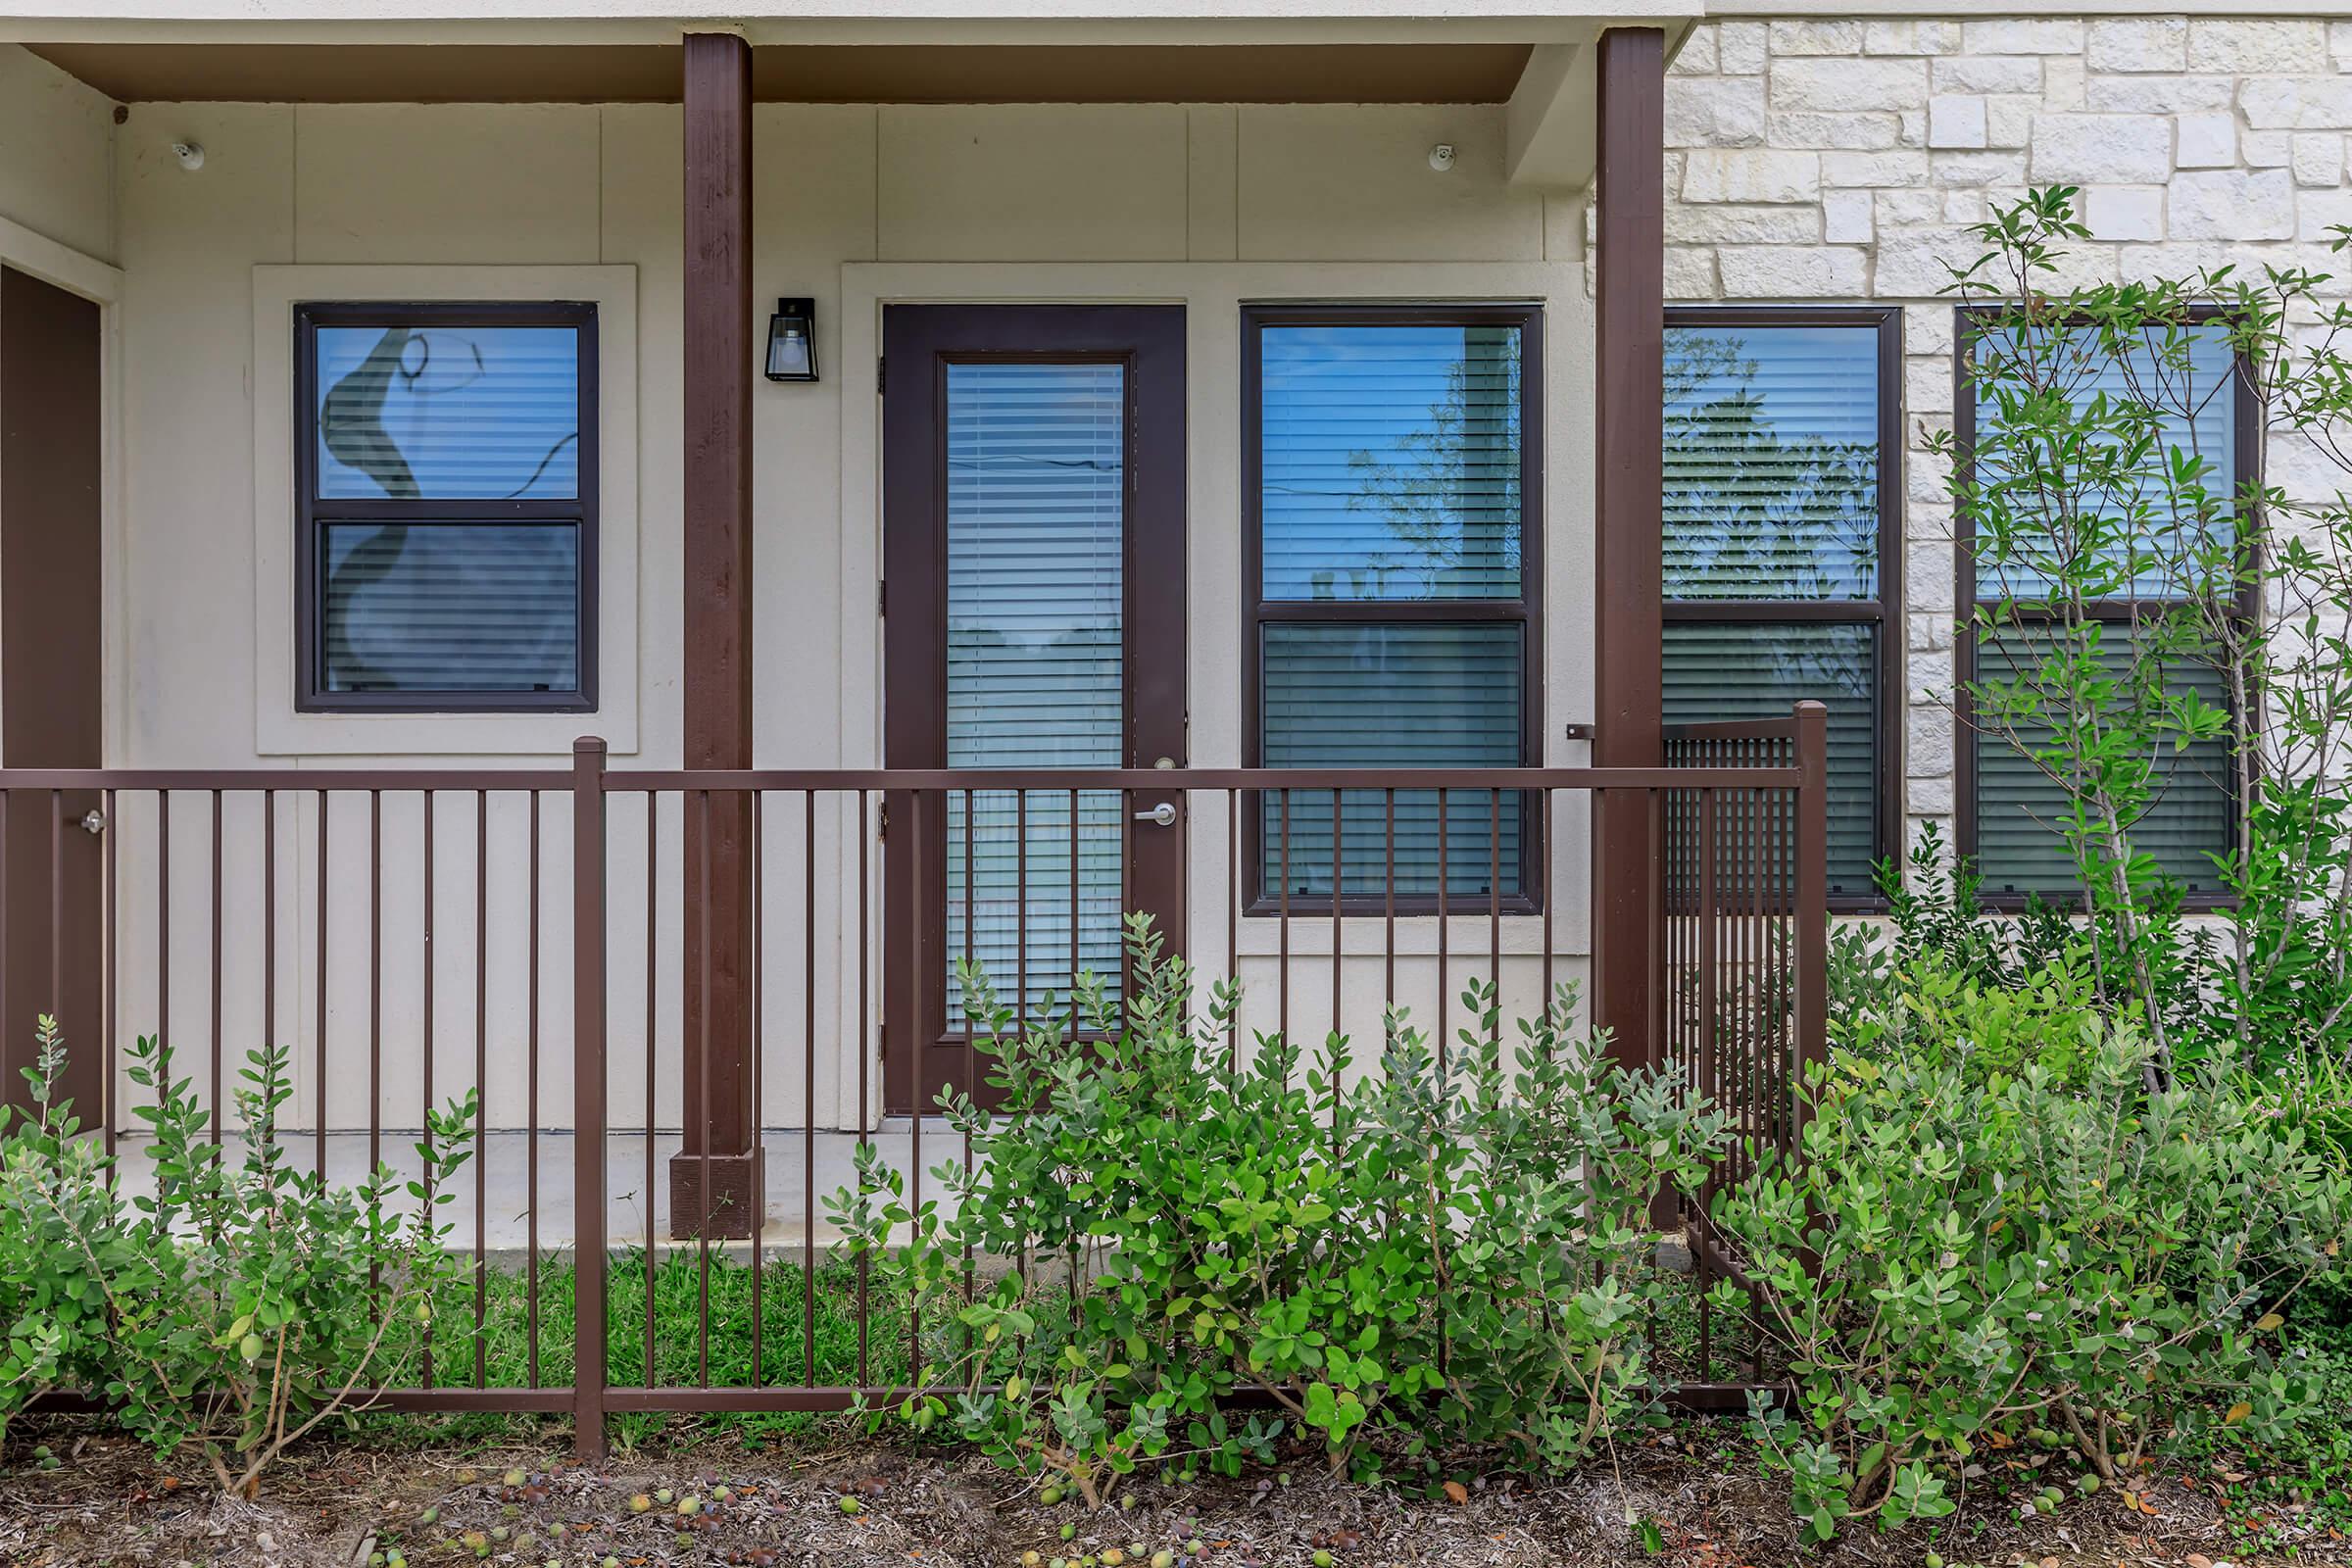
481	1102
588	1134
703	981
1544	891
1021	906
1233	919
1281	971
1494	907
913	1032
1445	893
1388	911
425	1091
809	1096
864	929
1339	891
376	1010
652	986
107	980
758	1001
56	924
531	1250
268	913
319	995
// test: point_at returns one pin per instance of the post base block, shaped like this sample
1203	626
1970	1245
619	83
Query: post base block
736	1203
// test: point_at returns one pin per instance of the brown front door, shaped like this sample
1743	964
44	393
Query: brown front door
49	675
1033	561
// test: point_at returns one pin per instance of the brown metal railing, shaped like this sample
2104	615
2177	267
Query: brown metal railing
417	934
1742	961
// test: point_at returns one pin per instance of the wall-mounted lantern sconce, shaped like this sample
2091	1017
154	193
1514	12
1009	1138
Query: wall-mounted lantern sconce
791	341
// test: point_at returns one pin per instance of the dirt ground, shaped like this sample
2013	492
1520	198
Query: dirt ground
845	1499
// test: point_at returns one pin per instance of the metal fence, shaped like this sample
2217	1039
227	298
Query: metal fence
412	935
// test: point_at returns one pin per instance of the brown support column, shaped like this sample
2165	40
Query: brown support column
722	1124
1630	176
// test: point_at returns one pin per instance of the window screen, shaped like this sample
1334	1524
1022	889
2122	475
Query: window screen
447	502
1393	522
1777	551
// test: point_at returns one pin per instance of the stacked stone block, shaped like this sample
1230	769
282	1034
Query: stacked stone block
1833	161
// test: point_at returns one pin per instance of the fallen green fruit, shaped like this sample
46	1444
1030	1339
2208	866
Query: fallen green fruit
851	1506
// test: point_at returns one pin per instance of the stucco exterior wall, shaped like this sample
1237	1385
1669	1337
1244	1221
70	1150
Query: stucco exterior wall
1840	160
855	204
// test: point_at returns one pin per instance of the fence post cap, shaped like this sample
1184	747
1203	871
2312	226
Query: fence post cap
587	744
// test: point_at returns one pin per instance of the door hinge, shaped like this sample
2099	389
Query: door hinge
882	821
881	374
882	596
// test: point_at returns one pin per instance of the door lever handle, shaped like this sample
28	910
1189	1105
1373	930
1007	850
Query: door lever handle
1161	815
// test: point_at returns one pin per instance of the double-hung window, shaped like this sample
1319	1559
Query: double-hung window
1780	550
2120	553
446	501
1393	482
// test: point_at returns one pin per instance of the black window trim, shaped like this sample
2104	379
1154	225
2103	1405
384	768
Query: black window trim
311	512
1883	613
2246	454
1527	612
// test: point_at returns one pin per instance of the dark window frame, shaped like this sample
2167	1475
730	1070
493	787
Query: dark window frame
1881	613
313	513
2245	455
1527	612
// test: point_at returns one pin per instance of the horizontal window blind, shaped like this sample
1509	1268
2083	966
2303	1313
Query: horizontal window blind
448	528
2019	848
450	607
1395	696
2187	389
1389	461
442	412
1036	481
1720	671
1771	452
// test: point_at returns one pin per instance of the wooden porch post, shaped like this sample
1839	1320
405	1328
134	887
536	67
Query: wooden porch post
722	1124
1630	176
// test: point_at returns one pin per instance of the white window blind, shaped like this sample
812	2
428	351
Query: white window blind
1036	480
1389	461
1772	546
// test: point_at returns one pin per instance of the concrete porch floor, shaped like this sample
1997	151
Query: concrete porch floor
506	1161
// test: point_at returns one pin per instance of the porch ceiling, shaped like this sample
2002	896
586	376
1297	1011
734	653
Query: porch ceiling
1460	71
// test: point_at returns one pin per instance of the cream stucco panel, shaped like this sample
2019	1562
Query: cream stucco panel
277	728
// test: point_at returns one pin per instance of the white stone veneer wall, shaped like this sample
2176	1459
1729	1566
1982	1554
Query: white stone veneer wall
1840	161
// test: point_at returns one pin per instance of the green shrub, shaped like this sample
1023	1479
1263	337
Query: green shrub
1457	1248
1958	1261
275	1296
64	1249
1929	1008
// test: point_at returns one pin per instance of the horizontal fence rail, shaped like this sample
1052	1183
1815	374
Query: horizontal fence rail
557	944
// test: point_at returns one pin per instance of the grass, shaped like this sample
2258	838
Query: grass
492	1330
702	1319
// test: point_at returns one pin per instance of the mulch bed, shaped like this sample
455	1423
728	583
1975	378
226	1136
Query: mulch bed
335	1503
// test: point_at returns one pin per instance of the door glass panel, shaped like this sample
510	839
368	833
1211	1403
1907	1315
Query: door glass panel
1036	479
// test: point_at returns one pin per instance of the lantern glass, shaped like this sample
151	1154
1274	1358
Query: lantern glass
791	341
